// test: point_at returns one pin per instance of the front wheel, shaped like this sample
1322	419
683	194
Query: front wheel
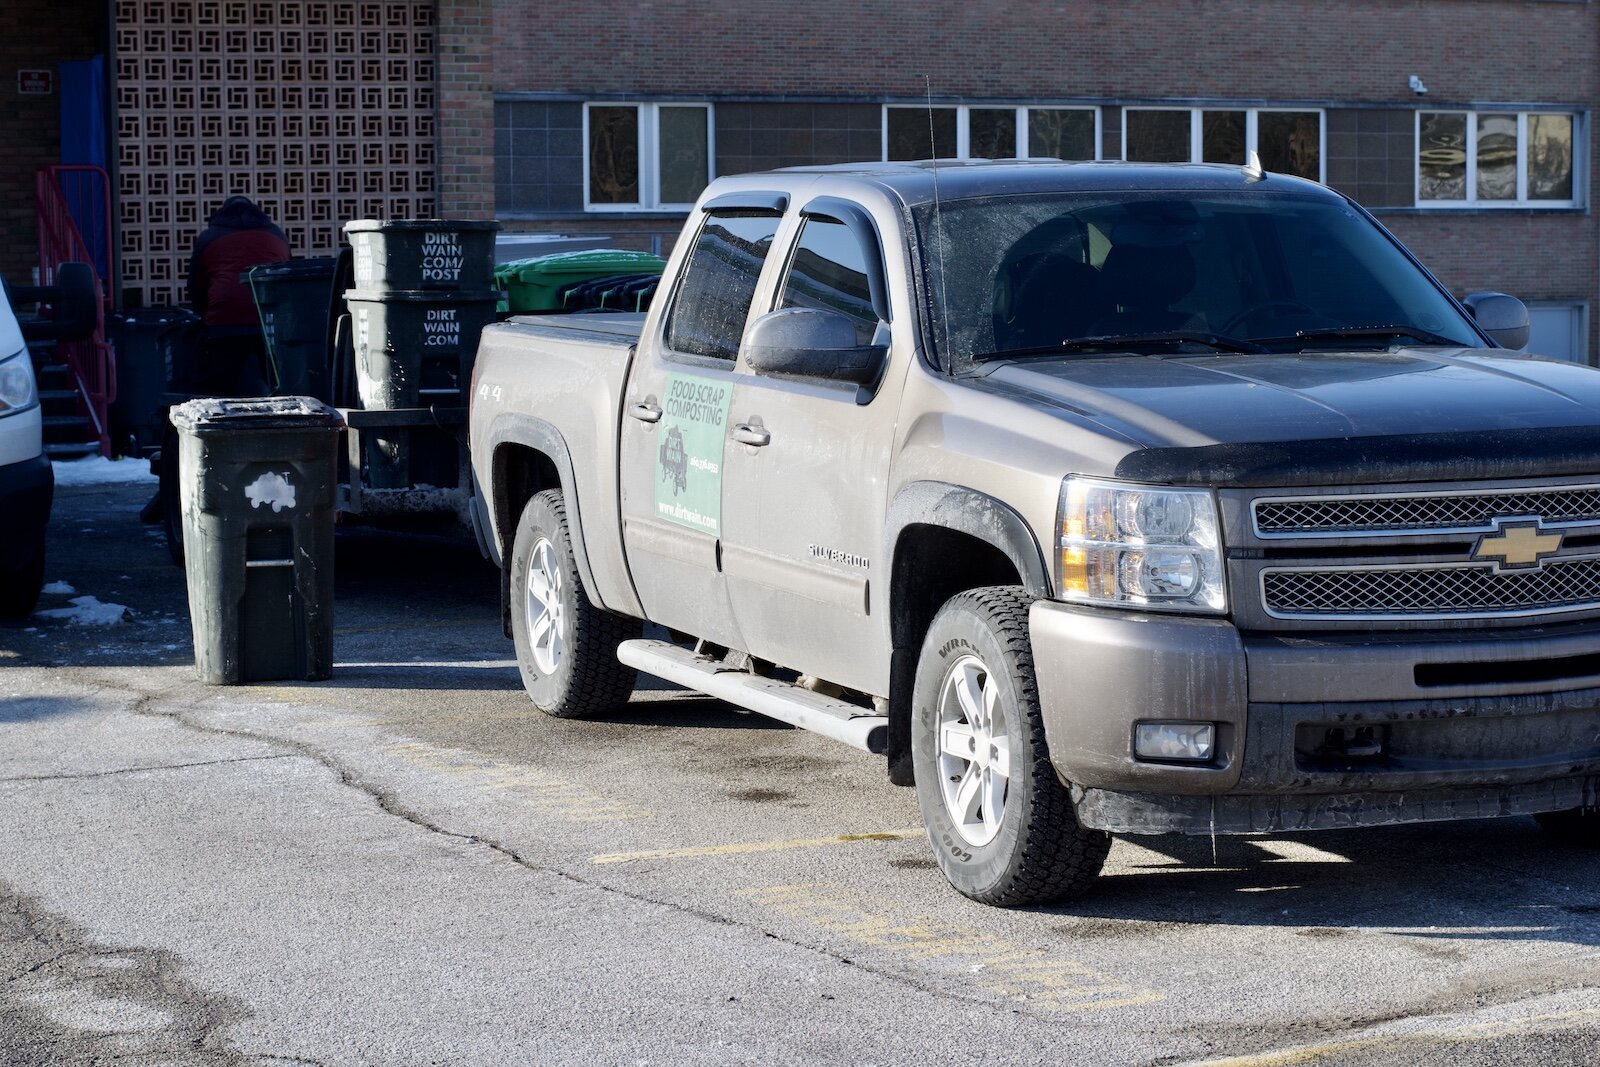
566	647
20	586
1001	823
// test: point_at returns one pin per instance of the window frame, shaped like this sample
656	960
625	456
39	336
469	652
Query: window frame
1252	130
1522	202
649	153
1019	116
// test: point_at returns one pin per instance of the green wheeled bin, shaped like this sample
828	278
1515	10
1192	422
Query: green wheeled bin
258	480
536	285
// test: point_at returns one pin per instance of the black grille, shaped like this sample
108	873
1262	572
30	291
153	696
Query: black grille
1380	514
1423	591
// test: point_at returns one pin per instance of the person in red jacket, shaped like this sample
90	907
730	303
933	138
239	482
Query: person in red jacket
233	353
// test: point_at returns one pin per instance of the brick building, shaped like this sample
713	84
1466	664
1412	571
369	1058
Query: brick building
1464	124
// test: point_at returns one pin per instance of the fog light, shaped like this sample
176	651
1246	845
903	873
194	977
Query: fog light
1193	741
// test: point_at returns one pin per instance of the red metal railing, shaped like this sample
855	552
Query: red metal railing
69	200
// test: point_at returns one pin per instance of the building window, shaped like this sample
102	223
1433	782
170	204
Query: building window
912	132
640	157
1495	159
1287	142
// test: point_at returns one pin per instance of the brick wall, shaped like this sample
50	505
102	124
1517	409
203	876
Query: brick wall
467	31
1349	50
1351	57
34	35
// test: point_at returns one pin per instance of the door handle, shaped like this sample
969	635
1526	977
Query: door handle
645	412
755	436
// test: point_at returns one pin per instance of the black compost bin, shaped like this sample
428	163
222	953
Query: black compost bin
154	347
422	253
258	480
413	349
294	299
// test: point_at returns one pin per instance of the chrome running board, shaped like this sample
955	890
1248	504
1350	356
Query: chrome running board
784	701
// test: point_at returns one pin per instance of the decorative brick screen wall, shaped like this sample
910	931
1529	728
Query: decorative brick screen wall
320	110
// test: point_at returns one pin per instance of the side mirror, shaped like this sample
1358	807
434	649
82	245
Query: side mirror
812	343
1505	318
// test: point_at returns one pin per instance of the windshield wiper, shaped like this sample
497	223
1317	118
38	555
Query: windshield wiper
1366	333
1130	342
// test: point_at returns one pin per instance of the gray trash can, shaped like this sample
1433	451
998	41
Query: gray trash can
422	253
258	481
413	348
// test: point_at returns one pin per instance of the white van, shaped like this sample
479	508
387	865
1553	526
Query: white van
27	483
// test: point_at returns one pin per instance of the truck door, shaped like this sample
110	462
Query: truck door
805	491
675	424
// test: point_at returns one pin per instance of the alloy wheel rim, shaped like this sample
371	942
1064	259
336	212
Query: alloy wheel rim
546	620
974	750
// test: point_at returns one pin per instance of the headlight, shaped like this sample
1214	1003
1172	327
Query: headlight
1136	545
16	383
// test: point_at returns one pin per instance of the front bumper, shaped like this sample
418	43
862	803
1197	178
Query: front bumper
26	491
1466	725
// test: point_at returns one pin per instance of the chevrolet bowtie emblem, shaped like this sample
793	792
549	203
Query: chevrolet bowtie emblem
1516	546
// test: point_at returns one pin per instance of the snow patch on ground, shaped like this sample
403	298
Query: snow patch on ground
58	589
89	611
98	470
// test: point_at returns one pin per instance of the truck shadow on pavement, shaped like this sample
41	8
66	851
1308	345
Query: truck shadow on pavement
1484	880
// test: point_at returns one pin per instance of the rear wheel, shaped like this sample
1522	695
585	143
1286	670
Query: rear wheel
1001	823
566	647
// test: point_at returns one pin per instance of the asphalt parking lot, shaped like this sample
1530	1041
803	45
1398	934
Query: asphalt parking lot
409	865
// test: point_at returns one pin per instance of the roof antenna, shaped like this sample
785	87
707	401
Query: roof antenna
1252	170
938	226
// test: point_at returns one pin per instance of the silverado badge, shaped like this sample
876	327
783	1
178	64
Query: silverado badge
1516	547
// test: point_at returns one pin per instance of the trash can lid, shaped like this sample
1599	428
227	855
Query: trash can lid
313	267
159	316
400	225
251	414
425	296
606	260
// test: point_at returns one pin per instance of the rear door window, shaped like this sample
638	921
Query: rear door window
719	282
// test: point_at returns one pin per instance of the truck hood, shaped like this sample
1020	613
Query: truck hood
1223	418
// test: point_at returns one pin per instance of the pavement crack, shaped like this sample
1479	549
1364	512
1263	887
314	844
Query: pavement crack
137	770
144	704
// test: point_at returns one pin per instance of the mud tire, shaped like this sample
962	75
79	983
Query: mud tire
586	679
1040	854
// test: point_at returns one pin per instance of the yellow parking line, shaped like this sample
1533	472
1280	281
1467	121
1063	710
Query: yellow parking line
1014	970
698	851
1463	1034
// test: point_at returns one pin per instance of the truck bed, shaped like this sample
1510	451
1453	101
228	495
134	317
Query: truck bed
566	372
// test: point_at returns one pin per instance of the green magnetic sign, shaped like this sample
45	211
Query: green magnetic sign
693	428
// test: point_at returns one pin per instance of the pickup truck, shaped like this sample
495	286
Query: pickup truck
1098	498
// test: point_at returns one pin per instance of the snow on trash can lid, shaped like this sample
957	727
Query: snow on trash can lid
221	414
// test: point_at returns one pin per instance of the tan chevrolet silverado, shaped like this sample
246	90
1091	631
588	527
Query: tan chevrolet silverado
1098	498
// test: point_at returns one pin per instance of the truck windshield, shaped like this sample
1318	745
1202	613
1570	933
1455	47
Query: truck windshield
1013	276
